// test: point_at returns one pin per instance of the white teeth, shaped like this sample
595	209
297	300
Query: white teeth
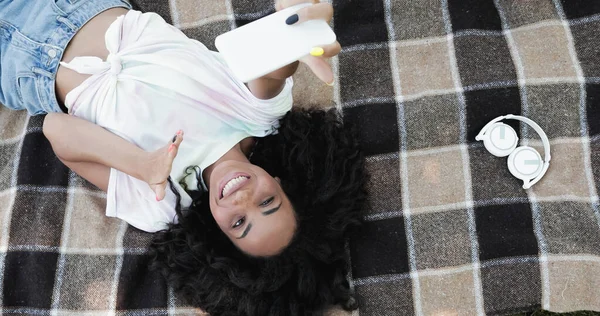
232	183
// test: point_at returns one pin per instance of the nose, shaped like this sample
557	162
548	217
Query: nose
242	197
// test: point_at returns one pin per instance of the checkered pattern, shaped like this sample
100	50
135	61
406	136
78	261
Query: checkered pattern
448	230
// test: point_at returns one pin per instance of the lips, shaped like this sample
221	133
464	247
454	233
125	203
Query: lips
232	183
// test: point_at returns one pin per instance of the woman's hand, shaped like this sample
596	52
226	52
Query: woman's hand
271	84
158	164
317	60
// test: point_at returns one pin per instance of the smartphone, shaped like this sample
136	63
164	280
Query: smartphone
268	44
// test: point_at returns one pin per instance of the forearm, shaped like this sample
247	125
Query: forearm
77	140
270	86
266	88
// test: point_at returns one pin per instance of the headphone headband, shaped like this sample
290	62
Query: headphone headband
525	120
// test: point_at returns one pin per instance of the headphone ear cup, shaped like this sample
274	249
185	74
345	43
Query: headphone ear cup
525	163
500	140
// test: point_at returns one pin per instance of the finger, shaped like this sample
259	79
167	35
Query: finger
174	147
178	138
320	68
326	51
282	4
319	11
159	190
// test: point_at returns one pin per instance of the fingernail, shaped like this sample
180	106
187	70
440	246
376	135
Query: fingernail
157	198
171	147
331	83
174	138
317	51
292	19
179	132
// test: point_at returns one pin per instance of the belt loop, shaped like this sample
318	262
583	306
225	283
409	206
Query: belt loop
42	72
66	22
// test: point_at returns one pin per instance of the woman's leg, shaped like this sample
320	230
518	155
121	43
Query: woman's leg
95	173
75	140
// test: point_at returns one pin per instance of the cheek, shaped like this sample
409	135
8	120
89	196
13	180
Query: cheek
219	214
212	193
267	184
222	220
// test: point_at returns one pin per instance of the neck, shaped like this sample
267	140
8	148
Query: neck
238	153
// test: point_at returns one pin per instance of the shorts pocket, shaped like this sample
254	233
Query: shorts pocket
29	94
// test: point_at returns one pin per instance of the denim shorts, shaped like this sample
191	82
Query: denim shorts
33	37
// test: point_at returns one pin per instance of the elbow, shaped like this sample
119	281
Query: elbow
51	126
52	130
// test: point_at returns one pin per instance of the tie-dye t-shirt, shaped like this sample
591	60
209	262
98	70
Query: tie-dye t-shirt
155	82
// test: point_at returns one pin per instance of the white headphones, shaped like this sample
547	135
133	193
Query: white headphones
524	162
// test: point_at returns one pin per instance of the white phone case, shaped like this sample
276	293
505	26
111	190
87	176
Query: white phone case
268	44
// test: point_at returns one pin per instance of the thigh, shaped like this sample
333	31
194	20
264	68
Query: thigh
95	173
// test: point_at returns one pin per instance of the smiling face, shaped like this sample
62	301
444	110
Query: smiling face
251	208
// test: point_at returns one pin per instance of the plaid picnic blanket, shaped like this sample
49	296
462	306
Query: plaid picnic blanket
448	230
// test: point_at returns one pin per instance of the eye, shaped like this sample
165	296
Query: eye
239	223
267	202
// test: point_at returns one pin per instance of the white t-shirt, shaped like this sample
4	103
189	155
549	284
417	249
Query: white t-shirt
155	82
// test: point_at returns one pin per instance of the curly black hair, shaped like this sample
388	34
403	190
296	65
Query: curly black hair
322	172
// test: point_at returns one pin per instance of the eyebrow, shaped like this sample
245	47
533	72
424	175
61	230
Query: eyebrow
265	213
245	231
273	210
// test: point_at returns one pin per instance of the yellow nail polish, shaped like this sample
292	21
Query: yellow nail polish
317	51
